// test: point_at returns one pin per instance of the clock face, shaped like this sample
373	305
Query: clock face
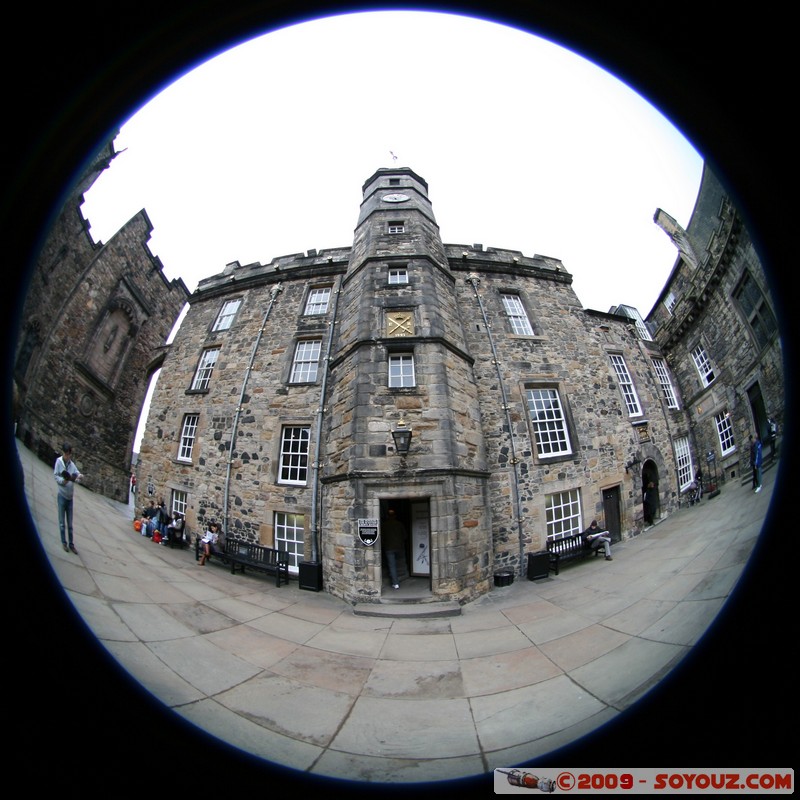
395	198
400	323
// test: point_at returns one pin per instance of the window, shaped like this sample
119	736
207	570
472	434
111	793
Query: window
633	313
725	432
703	364
626	386
397	226
563	514
306	361
318	299
754	306
549	423
683	458
204	369
401	370
179	502
398	275
294	455
226	314
668	390
188	434
290	536
520	324
669	302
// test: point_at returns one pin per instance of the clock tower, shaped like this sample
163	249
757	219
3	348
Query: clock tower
401	364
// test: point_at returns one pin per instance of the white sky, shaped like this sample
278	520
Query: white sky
262	151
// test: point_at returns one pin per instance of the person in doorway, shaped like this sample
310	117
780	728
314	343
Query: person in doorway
394	537
650	503
66	473
772	426
756	459
596	538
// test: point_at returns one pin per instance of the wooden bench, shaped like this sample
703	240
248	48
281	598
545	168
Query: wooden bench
241	555
568	549
177	536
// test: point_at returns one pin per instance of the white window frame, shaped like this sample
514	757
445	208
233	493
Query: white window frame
396	226
703	365
683	461
397	275
563	515
517	316
669	302
305	365
289	534
667	389
188	437
626	385
226	314
318	300
549	422
725	432
205	367
293	462
179	502
401	371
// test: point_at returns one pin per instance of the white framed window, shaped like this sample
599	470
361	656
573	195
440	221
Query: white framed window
401	370
703	364
667	389
725	432
633	313
205	367
306	361
517	316
179	502
188	435
398	275
563	514
669	302
294	455
226	314
683	460
290	530
317	301
397	226
549	423
626	385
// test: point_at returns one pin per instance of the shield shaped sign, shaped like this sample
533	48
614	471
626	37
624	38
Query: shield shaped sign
368	531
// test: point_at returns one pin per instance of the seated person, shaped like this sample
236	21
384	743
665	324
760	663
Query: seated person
149	519
596	538
175	528
212	542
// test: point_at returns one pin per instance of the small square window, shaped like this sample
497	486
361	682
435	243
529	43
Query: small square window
398	275
401	371
398	226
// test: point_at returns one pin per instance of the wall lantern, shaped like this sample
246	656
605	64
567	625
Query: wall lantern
402	438
635	461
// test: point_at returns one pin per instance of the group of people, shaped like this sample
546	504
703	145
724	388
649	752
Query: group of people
159	525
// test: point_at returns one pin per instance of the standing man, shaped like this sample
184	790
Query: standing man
393	535
757	458
66	473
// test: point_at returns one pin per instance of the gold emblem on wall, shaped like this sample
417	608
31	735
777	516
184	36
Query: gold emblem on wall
400	323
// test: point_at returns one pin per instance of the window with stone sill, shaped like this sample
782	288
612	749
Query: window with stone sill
290	531
626	385
293	465
226	315
563	514
401	371
550	430
305	365
703	365
205	367
188	435
318	300
517	316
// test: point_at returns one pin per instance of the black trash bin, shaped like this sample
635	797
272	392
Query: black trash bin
504	577
538	565
310	575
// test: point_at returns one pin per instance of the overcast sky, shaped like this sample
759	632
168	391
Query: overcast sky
262	151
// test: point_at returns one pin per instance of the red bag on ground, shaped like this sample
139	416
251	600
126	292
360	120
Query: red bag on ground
157	537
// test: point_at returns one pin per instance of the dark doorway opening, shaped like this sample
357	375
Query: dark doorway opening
612	514
413	564
651	498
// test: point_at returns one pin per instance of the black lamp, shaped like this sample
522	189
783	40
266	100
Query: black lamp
402	438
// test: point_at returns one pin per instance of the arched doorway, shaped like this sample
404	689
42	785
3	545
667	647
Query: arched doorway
651	498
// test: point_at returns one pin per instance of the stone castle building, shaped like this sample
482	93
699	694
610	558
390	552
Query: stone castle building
92	331
465	387
716	325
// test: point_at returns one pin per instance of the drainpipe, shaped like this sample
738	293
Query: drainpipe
316	465
473	281
276	290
